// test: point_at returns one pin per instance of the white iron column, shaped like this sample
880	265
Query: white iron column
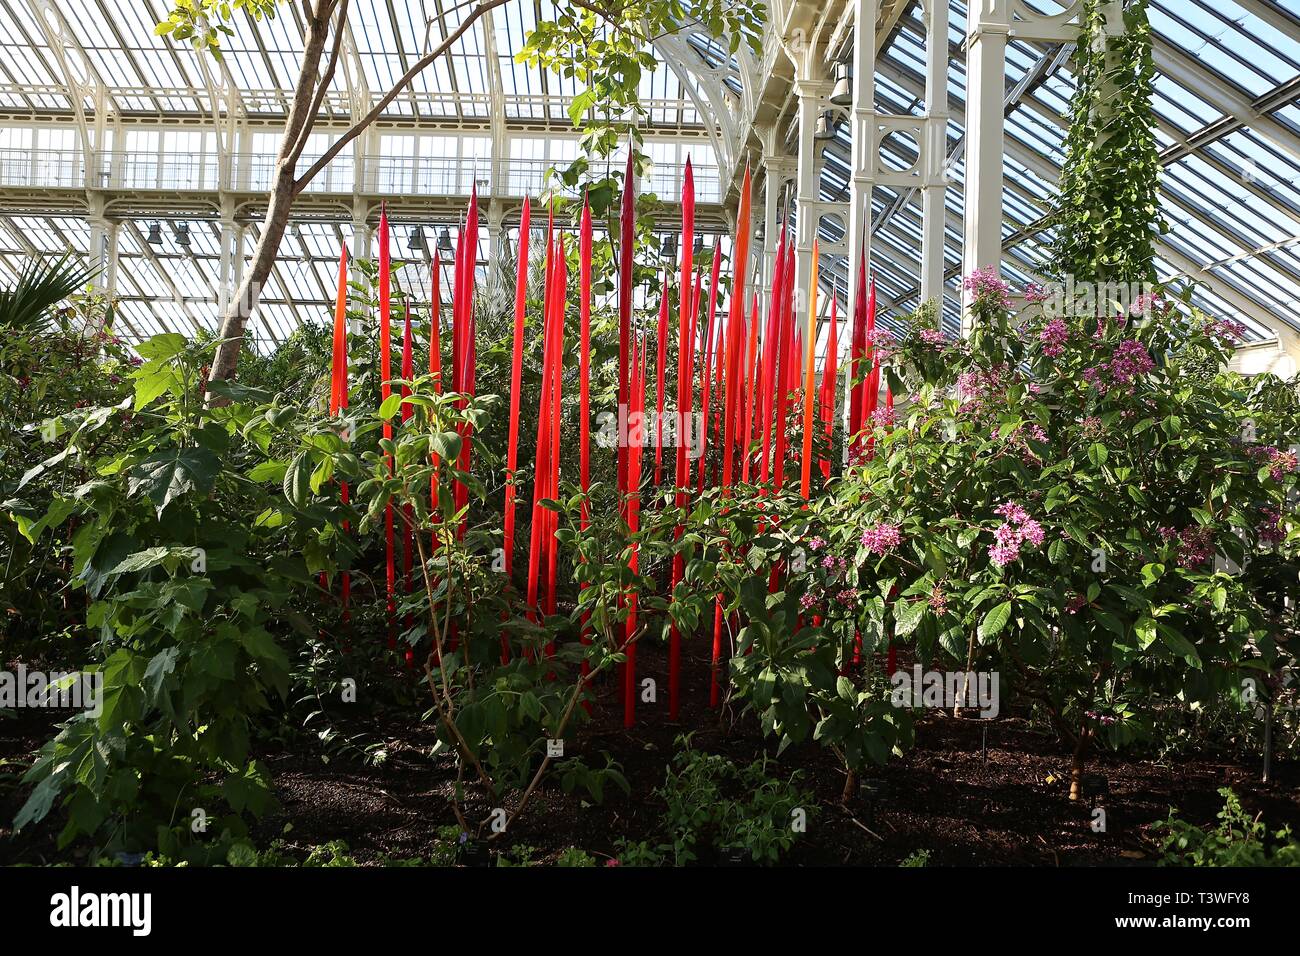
779	169
863	152
934	153
239	255
863	158
225	274
986	61
812	91
496	217
360	245
110	253
95	251
360	230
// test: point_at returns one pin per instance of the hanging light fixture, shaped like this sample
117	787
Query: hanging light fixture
444	244
699	244
669	248
825	128
417	239
842	94
183	235
155	234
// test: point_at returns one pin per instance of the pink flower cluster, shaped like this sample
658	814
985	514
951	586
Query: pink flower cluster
833	563
1195	544
1280	462
932	337
1227	331
1270	528
880	342
1054	336
976	388
938	600
1129	360
1035	294
881	537
988	288
1013	533
883	417
1145	304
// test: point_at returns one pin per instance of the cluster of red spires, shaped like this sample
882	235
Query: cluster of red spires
744	372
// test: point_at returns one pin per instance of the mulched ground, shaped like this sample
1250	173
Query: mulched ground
968	797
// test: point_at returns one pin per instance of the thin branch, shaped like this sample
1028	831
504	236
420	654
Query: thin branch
465	752
323	89
392	94
446	709
583	681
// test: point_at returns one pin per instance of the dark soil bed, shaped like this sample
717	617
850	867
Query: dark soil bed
970	793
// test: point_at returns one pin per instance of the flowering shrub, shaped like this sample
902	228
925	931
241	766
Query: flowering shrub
1068	501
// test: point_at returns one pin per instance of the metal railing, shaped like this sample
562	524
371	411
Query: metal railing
42	168
254	173
338	105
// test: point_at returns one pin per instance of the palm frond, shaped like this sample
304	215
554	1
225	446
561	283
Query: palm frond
42	284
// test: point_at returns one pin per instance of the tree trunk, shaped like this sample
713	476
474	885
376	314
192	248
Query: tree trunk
246	297
850	787
302	114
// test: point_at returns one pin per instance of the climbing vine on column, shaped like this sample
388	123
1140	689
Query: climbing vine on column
1109	214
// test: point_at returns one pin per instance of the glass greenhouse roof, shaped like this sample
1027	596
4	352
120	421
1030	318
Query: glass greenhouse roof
1226	102
112	42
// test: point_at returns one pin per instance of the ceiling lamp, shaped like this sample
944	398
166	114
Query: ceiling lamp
444	243
669	248
842	94
155	234
699	244
825	126
417	239
183	235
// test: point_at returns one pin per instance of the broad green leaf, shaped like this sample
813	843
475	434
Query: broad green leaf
994	621
169	474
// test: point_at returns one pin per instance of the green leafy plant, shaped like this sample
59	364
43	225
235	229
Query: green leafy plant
711	802
1108	217
605	45
202	23
58	353
575	857
1062	503
184	600
1238	840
